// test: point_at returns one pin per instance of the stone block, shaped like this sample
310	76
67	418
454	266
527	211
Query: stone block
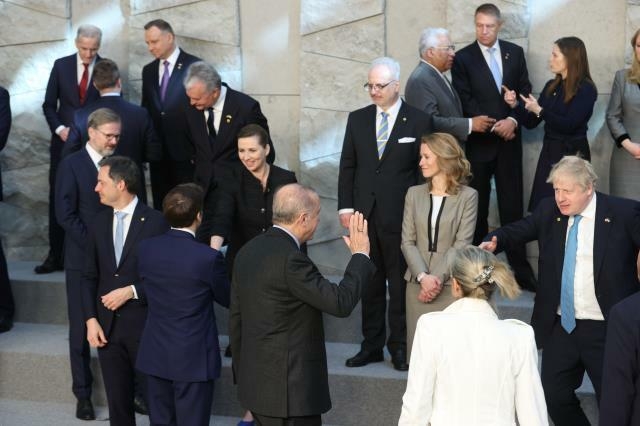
26	68
321	132
141	6
23	25
220	26
332	83
322	175
360	40
319	15
59	8
23	230
329	227
331	257
283	114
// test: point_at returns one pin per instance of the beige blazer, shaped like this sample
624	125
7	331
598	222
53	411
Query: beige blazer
457	224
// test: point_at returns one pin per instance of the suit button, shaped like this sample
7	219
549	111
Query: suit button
264	229
116	275
162	113
377	172
262	210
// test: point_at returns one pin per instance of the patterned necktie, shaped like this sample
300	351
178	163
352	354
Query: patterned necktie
567	308
495	68
84	81
165	81
383	133
119	241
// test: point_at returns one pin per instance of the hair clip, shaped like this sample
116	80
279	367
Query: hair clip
485	275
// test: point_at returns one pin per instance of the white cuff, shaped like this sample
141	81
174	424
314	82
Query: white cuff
135	293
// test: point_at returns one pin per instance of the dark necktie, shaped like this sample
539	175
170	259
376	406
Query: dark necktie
84	81
210	126
165	81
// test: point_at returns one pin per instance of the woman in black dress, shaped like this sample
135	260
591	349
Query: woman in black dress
565	105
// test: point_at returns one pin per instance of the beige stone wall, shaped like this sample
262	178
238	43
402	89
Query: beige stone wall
305	61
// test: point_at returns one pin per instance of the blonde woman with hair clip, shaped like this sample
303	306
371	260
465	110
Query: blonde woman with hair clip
469	368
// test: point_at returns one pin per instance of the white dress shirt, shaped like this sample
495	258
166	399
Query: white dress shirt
172	59
468	368
126	224
497	55
94	155
217	109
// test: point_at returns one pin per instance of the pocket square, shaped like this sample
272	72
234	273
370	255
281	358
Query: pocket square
406	140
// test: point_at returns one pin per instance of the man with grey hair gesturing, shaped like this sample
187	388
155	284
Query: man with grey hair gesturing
431	91
379	162
277	300
216	115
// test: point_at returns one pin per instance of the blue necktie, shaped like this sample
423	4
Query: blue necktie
119	241
567	309
495	68
383	133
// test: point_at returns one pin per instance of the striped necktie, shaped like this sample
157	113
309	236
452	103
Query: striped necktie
383	133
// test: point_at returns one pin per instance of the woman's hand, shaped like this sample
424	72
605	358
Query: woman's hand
531	104
430	288
632	148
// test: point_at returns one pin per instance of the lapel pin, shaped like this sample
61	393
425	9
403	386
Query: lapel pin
142	219
404	119
606	219
558	219
228	117
179	65
506	56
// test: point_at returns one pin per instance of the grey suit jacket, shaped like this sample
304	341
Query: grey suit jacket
457	224
623	113
427	91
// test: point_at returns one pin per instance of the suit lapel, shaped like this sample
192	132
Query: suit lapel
601	230
559	236
175	81
229	111
137	223
398	129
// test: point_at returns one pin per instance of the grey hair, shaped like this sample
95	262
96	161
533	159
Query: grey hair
430	37
389	63
102	116
204	73
292	200
89	31
578	168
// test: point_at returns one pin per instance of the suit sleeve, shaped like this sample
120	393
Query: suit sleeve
220	205
462	83
50	105
235	326
409	244
220	281
152	145
347	168
74	140
620	369
578	113
519	232
90	278
307	284
531	408
5	117
67	204
417	402
615	120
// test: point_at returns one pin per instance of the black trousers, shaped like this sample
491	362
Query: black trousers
79	353
7	307
56	233
565	359
390	268
289	421
165	175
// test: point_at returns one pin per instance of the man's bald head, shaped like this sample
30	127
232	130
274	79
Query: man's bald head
297	208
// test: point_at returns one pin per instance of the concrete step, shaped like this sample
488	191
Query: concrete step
42	299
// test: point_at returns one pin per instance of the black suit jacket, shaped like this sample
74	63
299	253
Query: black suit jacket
76	204
615	248
5	123
476	87
238	111
364	180
168	116
620	400
102	275
276	329
62	97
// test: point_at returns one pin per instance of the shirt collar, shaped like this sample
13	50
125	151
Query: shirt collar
393	110
290	234
80	63
193	234
173	58
484	48
129	208
220	102
95	156
590	210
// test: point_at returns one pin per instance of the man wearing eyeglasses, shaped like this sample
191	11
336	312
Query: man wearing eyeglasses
76	206
379	162
479	71
430	90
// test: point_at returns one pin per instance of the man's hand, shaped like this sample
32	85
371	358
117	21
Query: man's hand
489	245
344	219
358	238
95	334
510	97
64	134
505	128
216	242
482	123
116	298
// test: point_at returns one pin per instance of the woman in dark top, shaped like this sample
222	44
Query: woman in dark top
565	105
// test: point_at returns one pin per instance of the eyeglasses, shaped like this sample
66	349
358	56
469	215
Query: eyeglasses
109	136
450	48
368	86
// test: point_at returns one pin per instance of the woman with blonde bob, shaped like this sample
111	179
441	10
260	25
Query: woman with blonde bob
469	368
438	216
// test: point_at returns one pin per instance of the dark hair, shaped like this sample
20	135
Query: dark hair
160	24
575	54
105	74
124	169
102	116
254	130
489	9
182	205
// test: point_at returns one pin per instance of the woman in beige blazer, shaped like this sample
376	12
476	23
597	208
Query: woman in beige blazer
451	208
468	367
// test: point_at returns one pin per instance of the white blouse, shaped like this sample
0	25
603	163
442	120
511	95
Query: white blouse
469	368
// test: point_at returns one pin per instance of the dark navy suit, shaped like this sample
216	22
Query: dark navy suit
6	296
137	138
179	347
123	327
76	206
60	102
169	122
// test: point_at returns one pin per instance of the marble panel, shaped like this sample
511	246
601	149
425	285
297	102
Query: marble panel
221	24
332	83
331	256
321	132
283	114
22	25
319	15
27	67
23	232
58	8
329	227
322	175
142	6
360	40
460	19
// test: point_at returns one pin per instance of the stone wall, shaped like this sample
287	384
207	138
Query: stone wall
305	61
